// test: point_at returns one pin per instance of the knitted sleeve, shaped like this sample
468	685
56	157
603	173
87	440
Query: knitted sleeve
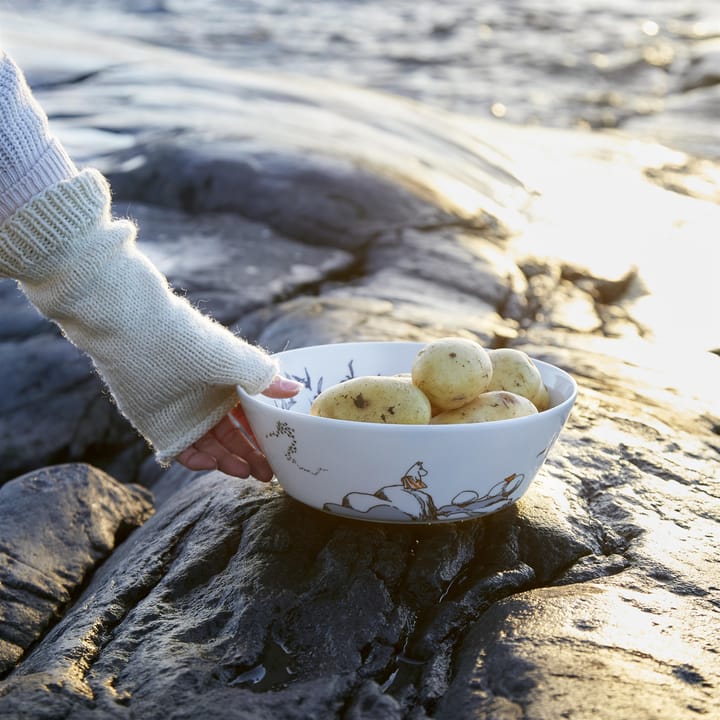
171	369
31	159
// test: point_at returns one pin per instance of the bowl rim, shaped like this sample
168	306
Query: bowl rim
258	401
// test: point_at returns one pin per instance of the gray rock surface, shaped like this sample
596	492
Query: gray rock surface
57	525
52	406
229	265
594	597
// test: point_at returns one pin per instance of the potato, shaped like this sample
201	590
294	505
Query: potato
375	399
492	405
451	372
514	371
541	399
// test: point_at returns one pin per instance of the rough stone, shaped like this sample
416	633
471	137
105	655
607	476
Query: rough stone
593	595
52	406
586	650
315	199
228	265
56	526
217	597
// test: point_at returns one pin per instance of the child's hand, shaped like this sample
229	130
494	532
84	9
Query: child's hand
230	446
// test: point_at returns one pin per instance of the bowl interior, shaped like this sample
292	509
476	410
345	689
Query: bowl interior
320	367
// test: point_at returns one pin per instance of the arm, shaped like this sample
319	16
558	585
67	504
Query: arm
171	370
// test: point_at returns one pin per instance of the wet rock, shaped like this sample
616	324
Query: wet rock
315	199
548	652
614	628
21	320
56	526
235	599
463	261
230	266
703	70
52	405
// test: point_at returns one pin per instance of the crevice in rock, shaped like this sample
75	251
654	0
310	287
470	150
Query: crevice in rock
313	289
484	224
123	531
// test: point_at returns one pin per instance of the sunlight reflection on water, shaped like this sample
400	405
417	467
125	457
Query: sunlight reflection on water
598	211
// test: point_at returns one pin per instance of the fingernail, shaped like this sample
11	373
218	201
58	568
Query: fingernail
284	383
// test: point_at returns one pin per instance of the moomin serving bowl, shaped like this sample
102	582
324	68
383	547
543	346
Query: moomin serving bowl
398	473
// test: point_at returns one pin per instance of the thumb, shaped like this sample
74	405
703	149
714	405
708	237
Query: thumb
282	387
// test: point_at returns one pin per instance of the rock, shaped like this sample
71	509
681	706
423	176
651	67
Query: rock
614	627
56	526
234	591
594	596
315	199
52	405
599	647
703	70
231	266
21	319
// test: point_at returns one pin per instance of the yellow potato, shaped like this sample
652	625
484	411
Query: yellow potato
514	371
493	405
541	399
375	399
451	372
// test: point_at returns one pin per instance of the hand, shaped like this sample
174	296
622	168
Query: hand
231	446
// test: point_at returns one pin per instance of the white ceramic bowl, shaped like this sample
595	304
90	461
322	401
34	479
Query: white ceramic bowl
398	473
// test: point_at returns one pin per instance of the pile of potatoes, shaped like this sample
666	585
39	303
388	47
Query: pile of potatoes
452	380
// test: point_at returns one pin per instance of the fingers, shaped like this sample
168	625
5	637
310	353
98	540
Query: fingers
231	446
239	420
282	387
237	443
227	449
194	459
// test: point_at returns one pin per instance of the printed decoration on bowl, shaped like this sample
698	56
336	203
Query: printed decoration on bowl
408	500
284	429
306	380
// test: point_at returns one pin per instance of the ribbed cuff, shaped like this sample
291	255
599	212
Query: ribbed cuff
34	240
52	167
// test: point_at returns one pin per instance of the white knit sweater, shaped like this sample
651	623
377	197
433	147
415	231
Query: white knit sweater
171	370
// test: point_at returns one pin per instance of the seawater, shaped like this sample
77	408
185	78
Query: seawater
554	63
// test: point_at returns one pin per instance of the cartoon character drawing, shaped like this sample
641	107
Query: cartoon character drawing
407	500
414	481
468	503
